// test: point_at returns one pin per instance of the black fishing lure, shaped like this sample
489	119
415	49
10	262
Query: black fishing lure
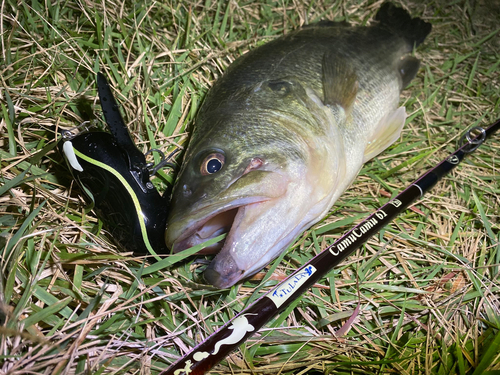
115	176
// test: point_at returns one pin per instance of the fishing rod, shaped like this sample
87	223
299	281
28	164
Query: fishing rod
222	342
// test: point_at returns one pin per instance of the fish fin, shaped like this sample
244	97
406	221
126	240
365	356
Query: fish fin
386	133
340	82
408	68
399	21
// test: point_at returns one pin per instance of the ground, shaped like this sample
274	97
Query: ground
423	295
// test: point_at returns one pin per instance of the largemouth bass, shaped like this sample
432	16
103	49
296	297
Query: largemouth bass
284	132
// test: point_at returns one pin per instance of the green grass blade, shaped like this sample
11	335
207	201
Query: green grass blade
490	357
47	312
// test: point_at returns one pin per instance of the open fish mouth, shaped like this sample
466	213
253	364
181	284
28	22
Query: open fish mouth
221	221
211	227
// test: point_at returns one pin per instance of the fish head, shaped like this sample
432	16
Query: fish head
218	176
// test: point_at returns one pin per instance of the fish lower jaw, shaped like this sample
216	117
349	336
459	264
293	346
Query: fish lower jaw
218	280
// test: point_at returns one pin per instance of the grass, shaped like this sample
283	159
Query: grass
424	293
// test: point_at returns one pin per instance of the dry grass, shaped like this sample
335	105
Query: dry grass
70	302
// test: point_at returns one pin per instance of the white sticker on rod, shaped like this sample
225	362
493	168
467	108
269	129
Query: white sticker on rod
285	290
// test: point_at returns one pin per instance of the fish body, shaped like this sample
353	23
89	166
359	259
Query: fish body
284	132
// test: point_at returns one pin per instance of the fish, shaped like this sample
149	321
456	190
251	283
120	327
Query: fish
284	132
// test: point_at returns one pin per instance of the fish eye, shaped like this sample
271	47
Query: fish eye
212	163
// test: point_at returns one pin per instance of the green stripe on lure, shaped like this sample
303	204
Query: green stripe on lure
284	132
